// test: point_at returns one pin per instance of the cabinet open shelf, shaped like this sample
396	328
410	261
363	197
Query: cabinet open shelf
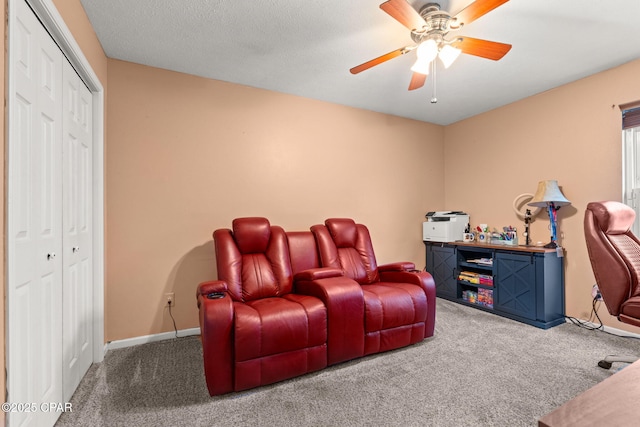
475	285
475	265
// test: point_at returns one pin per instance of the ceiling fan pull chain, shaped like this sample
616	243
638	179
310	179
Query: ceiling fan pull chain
434	99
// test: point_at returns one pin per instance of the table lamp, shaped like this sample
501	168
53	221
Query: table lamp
549	195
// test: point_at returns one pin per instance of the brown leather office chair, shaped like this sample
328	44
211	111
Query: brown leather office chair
614	252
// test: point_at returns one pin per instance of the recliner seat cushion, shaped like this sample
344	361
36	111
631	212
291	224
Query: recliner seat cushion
278	338
277	325
392	305
395	316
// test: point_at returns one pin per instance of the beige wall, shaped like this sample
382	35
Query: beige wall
79	25
186	155
572	134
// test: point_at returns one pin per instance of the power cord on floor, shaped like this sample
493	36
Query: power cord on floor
590	324
175	328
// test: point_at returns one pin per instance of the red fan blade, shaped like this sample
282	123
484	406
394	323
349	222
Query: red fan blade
378	60
482	48
402	12
475	10
417	81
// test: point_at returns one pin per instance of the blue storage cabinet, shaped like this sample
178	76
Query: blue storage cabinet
528	282
442	264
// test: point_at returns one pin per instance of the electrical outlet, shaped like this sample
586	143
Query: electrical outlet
595	293
169	300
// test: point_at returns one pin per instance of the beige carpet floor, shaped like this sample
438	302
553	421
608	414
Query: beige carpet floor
478	370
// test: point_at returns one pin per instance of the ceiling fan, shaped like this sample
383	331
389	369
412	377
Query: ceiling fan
429	26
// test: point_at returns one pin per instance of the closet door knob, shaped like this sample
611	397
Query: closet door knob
51	256
75	249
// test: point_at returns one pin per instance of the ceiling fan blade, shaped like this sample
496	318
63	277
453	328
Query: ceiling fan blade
379	60
477	9
402	12
482	48
417	81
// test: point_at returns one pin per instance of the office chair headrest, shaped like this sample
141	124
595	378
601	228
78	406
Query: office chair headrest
612	217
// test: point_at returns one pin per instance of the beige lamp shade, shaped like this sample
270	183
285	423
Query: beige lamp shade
548	192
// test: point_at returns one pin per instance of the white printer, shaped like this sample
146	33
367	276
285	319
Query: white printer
445	226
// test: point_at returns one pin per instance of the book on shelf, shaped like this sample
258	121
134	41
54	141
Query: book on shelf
485	297
486	279
469	276
481	261
476	278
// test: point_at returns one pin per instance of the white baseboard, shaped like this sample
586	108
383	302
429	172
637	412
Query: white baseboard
129	342
614	331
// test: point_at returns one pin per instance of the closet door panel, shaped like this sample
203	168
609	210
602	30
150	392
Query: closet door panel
34	318
77	220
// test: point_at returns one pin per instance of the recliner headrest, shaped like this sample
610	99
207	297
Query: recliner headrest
252	235
343	231
612	217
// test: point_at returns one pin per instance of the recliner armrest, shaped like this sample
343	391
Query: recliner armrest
211	287
216	313
344	300
318	273
397	266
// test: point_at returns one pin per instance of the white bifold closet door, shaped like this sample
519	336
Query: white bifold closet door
77	287
49	268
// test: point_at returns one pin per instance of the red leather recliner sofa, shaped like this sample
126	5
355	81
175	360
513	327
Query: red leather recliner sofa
399	302
289	303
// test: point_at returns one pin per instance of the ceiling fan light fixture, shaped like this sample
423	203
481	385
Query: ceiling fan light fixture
428	28
448	54
421	66
427	50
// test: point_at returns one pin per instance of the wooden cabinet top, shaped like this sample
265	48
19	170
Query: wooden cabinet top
518	248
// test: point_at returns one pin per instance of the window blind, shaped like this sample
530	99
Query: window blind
630	115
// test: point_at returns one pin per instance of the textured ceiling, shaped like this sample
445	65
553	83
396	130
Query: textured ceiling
306	48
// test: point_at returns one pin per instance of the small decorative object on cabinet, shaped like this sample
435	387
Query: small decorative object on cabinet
522	283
